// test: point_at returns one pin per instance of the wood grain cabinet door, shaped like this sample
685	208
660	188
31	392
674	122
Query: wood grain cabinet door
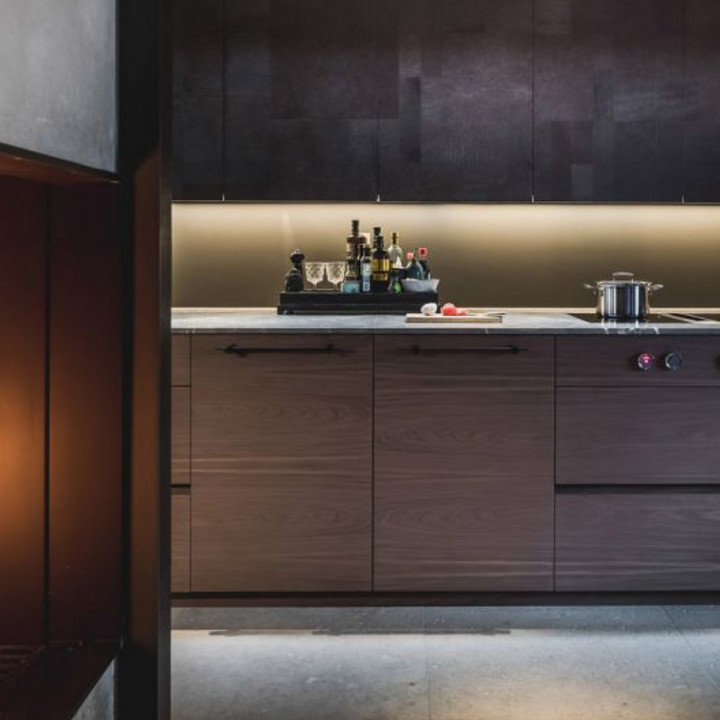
180	575
638	436
282	448
638	540
463	463
609	100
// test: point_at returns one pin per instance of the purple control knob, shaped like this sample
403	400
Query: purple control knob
645	361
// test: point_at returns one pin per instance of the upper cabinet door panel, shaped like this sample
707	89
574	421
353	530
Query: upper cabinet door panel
608	100
198	100
702	127
303	81
457	123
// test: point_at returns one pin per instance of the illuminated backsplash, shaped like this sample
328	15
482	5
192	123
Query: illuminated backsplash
236	255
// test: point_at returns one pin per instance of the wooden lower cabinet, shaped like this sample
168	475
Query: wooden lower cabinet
180	545
282	463
660	540
638	436
180	435
464	487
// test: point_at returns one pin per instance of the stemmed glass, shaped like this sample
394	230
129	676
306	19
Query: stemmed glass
314	273
336	273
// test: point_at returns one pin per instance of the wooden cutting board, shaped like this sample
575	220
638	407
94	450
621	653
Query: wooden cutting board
453	319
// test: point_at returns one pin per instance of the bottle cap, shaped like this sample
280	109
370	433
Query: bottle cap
423	252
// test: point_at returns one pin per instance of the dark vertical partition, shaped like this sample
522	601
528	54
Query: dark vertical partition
22	410
145	93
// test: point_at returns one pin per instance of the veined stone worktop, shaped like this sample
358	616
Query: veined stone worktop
549	321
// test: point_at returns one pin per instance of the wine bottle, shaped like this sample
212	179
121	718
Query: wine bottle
365	270
395	252
353	245
380	265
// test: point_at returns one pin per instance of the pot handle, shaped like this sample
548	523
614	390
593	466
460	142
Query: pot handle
623	275
655	288
588	286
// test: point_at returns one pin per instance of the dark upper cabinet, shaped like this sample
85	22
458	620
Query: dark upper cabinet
702	127
447	100
198	100
457	123
608	100
302	82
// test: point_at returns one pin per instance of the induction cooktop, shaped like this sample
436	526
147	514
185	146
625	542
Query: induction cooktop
652	319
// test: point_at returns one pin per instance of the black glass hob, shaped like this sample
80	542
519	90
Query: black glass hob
652	319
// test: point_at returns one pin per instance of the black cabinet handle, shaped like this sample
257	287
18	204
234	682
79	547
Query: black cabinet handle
493	349
244	351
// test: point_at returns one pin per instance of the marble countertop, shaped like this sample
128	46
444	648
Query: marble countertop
539	321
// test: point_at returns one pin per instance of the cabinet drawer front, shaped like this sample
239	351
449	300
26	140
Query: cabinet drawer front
463	464
611	361
638	435
438	361
282	463
652	541
180	575
180	360
180	437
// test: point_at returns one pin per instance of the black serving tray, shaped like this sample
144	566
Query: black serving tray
330	301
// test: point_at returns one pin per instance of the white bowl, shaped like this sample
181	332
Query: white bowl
420	285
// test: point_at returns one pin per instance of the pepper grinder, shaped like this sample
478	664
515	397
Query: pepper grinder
294	281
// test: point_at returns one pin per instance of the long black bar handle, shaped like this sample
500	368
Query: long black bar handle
495	349
244	351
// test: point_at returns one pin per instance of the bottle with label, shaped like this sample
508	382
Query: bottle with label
395	252
414	270
423	255
365	270
380	265
351	282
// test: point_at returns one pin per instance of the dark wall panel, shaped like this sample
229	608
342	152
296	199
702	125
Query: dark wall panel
22	409
608	100
86	381
702	127
460	128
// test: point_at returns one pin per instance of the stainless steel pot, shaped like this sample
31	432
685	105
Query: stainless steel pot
623	297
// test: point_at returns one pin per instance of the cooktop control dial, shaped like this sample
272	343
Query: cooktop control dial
645	361
671	361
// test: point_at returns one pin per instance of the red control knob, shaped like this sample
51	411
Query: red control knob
645	361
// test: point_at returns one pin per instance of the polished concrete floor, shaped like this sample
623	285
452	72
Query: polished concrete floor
524	663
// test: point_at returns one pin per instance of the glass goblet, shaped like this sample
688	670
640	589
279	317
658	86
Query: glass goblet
336	273
314	272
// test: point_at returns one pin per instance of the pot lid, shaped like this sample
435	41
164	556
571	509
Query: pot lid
620	279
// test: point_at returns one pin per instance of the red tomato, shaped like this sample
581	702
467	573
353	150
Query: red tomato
449	309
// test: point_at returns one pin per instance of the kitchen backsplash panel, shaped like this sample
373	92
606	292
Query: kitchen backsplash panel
236	255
